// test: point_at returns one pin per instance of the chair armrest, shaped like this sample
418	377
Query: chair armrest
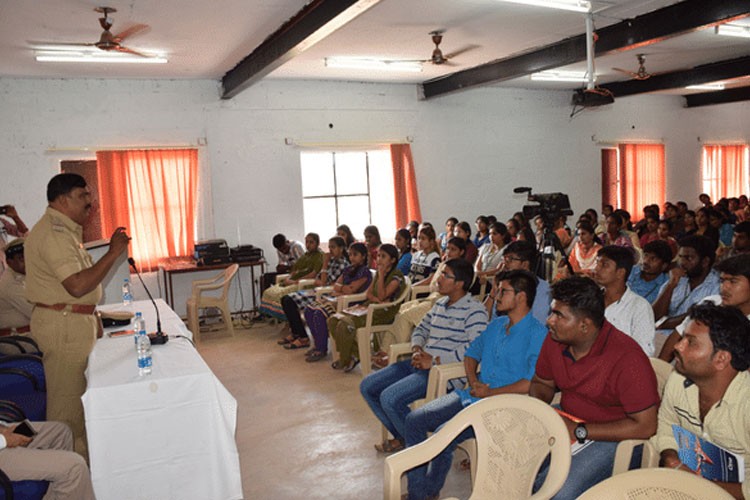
624	453
419	289
398	350
306	283
439	377
322	290
281	277
346	300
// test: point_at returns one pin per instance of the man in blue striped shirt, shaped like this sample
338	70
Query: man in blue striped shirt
442	337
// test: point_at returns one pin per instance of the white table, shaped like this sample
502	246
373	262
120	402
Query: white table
168	435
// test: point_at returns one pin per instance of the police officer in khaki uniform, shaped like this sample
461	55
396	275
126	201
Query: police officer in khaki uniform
15	310
64	285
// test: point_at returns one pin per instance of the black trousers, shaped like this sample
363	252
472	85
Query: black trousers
293	316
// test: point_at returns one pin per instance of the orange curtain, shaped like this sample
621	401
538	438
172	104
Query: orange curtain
152	193
642	177
404	185
609	177
724	170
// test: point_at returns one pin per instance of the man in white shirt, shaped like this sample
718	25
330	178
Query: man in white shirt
627	311
48	456
734	291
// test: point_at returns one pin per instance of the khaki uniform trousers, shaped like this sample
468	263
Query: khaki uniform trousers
49	457
66	339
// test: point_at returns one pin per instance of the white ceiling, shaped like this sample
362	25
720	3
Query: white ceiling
206	39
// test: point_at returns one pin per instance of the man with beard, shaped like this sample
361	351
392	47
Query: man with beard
689	283
734	291
608	388
64	284
647	277
709	394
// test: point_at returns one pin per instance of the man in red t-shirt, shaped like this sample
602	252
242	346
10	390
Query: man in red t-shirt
605	379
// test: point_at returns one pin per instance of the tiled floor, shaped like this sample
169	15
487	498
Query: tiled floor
303	430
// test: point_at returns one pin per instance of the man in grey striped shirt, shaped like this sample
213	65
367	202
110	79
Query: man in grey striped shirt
442	337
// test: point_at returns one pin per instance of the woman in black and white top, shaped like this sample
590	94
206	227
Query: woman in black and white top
425	261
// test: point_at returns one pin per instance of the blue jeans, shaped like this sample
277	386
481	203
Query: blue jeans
590	466
428	479
390	391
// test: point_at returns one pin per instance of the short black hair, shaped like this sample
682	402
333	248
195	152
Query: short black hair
62	184
743	228
616	217
524	250
359	248
463	271
621	256
521	281
660	249
457	242
729	330
702	245
583	296
739	265
453	220
279	241
483	218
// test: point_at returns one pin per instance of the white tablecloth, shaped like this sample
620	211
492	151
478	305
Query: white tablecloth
168	435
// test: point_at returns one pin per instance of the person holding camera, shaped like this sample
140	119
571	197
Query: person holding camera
9	230
42	451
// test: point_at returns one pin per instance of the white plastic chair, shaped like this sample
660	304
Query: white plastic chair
364	334
514	435
647	484
197	300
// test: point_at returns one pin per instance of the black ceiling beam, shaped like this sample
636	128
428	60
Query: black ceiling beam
706	73
724	96
647	29
314	22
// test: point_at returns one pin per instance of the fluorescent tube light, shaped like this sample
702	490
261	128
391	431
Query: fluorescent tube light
88	57
559	76
373	64
706	86
733	30
573	5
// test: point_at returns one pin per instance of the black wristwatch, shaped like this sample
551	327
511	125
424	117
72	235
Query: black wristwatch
581	432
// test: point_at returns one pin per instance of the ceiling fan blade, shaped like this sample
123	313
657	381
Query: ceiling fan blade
55	45
132	31
131	51
462	50
627	72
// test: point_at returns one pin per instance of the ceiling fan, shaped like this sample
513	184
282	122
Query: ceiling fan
107	41
641	74
438	58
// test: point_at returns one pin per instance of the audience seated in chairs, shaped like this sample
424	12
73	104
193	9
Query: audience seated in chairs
403	244
288	252
386	285
463	231
48	456
582	256
689	282
442	337
344	232
305	267
15	310
373	242
647	278
709	392
426	259
490	257
605	379
335	261
625	310
445	236
483	236
354	279
508	350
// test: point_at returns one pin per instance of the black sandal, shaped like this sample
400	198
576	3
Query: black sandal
316	356
298	344
352	365
286	340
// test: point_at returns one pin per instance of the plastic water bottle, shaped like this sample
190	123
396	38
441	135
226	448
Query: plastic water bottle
127	294
144	353
139	325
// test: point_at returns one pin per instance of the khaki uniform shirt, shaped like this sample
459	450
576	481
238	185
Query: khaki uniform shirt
15	310
727	423
54	251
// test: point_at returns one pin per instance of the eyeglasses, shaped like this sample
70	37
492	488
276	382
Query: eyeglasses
511	258
448	276
500	292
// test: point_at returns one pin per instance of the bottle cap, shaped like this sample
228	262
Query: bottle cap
138	315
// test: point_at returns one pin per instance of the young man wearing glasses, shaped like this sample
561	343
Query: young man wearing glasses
508	351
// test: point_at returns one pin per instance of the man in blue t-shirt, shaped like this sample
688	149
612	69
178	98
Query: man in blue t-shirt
508	350
647	278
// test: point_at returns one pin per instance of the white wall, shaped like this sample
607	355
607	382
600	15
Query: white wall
470	148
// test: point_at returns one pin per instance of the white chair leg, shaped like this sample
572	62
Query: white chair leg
363	344
193	322
227	317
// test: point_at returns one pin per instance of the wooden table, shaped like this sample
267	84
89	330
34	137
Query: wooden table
182	265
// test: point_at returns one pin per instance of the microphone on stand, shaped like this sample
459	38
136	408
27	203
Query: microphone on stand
158	337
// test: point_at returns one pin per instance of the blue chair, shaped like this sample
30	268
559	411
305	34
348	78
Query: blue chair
22	381
18	490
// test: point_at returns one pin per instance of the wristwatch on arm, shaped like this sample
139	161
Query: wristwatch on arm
581	432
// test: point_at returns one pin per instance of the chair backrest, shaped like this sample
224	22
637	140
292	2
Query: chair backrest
22	381
18	344
404	292
514	435
664	484
228	275
663	370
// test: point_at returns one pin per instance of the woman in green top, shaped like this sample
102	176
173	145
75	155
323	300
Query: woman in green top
308	266
386	286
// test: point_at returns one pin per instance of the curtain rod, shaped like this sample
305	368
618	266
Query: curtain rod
94	149
347	144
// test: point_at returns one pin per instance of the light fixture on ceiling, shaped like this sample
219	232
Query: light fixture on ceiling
83	56
706	86
733	30
573	5
373	64
555	75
